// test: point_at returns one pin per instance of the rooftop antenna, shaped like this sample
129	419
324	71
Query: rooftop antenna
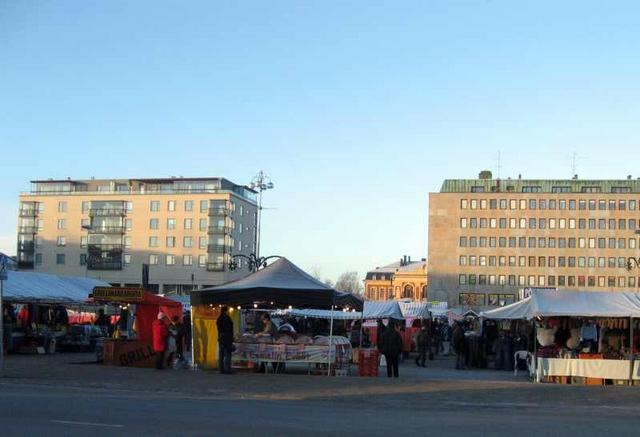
499	164
574	157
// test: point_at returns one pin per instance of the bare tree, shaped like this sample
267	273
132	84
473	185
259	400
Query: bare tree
349	282
316	272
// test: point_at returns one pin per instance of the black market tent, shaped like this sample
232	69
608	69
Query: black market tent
282	283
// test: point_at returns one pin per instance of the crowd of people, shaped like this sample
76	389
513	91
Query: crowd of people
434	337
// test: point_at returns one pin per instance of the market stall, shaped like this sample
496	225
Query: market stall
36	309
581	337
279	285
132	344
367	358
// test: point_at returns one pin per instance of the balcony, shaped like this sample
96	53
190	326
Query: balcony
99	248
219	248
27	229
30	212
215	267
101	264
219	211
220	229
26	247
108	212
106	229
26	262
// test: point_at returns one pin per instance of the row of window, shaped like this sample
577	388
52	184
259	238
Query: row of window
549	280
547	223
170	242
154	206
407	292
480	299
543	261
169	260
550	242
552	204
154	224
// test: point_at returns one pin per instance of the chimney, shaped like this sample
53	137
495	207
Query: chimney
401	261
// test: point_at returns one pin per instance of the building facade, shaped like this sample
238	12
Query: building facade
405	279
489	238
185	229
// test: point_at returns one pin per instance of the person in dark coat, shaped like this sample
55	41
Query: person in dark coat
459	345
391	348
423	343
225	340
379	332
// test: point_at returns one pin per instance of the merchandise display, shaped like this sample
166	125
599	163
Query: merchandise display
581	337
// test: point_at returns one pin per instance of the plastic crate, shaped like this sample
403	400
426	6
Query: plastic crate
368	362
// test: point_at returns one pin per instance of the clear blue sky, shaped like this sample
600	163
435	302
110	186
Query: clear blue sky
356	109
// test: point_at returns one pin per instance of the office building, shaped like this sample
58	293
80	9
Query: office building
490	238
404	279
185	229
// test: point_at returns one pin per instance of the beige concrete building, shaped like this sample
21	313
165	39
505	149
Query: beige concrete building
489	238
185	229
405	279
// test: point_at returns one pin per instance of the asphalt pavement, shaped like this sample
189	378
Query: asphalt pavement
57	396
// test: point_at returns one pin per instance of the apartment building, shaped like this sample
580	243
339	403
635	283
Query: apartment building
489	238
404	279
185	229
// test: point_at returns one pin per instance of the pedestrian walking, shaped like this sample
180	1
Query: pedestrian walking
225	340
459	345
160	335
172	346
446	339
180	337
391	348
423	344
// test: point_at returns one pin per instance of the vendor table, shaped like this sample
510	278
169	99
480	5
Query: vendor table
291	353
605	369
128	353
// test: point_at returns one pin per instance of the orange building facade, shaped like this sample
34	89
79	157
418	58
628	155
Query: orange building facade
404	279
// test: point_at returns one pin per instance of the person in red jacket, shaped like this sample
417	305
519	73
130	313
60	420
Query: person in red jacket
160	334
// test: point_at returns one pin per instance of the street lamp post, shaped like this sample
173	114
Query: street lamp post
260	182
255	262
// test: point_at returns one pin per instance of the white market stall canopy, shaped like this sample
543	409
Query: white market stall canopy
415	310
571	304
373	310
31	287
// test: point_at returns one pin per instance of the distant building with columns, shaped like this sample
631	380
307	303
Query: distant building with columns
403	279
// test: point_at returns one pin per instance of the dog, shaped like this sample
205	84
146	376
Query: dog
523	355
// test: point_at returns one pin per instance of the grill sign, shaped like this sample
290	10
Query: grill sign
118	294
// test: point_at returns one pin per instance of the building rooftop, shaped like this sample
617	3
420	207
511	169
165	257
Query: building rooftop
486	184
403	265
140	186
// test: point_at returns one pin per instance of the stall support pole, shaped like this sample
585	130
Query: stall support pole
193	354
361	328
330	343
631	360
535	352
1	329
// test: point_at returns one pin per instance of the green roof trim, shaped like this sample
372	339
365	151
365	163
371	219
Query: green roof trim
556	186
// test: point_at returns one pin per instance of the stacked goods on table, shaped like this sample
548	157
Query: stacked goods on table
368	362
